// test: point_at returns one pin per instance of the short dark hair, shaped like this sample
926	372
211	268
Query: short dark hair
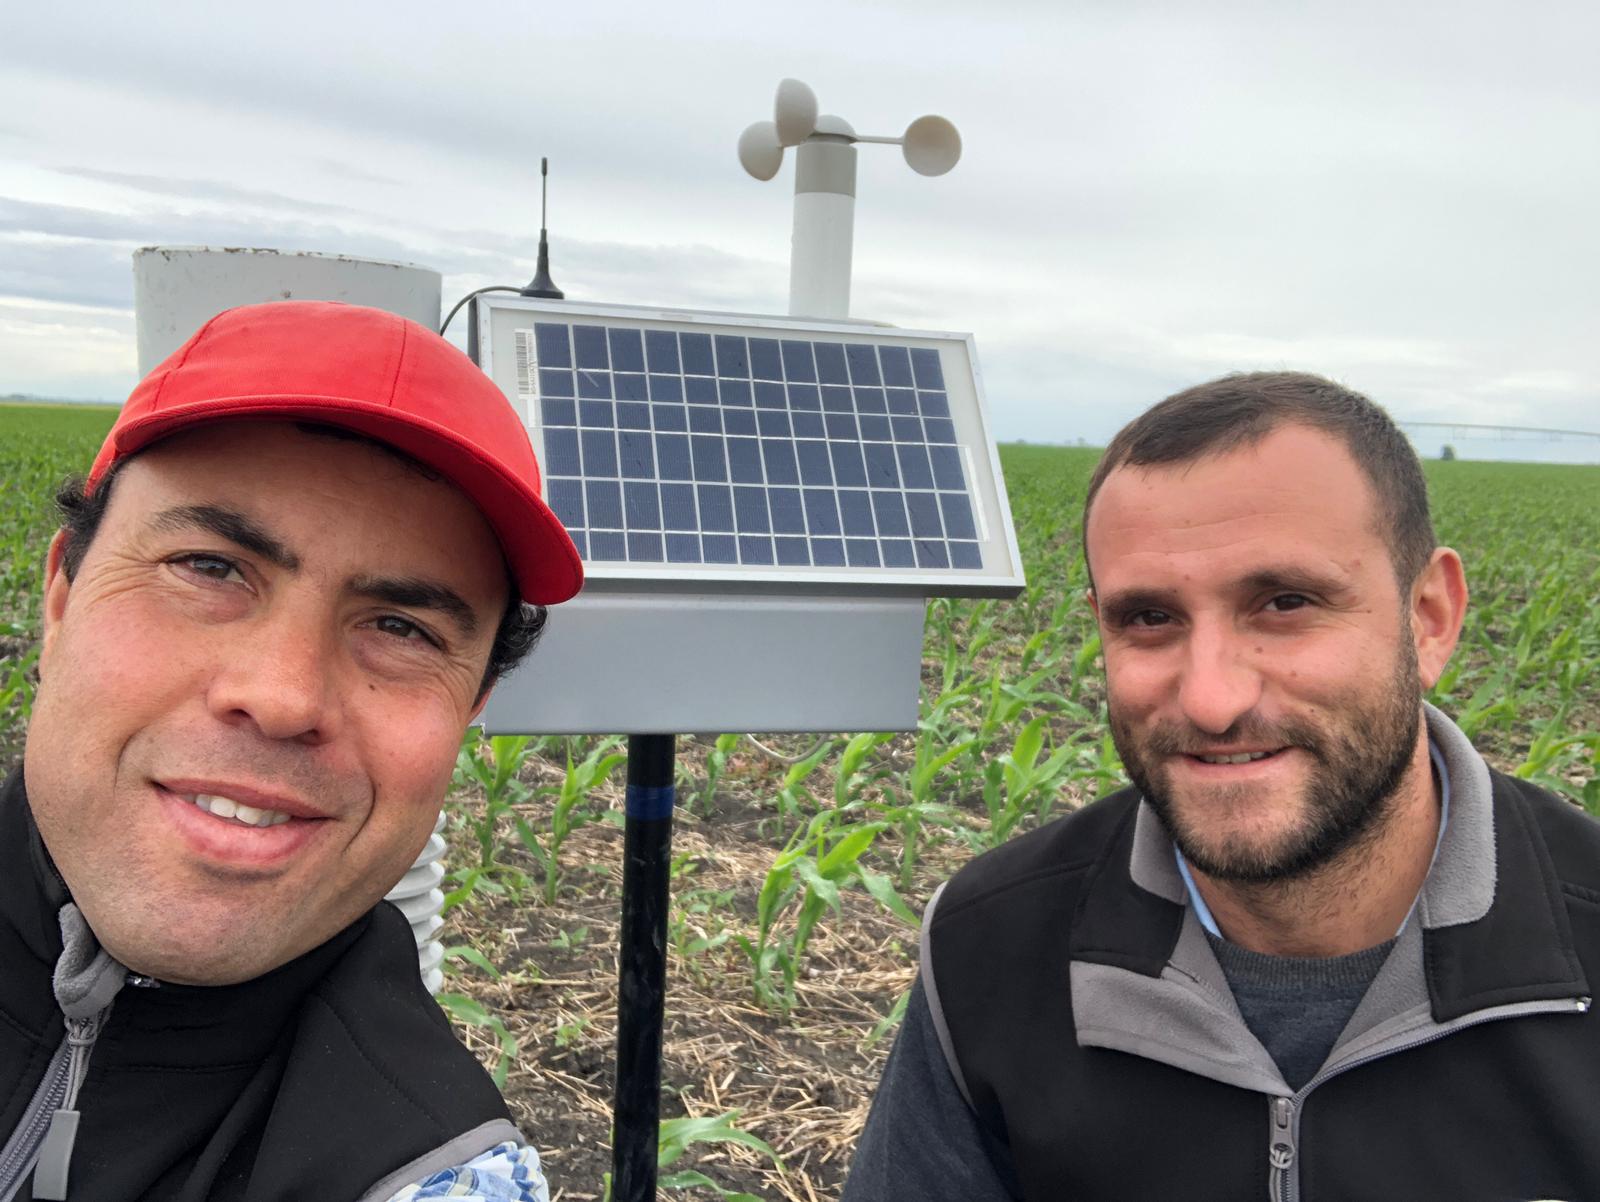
1240	410
82	510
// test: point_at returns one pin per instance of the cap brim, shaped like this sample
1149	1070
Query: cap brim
544	562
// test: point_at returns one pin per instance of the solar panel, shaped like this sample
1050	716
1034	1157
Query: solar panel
695	447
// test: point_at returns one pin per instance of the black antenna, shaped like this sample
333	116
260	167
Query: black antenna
542	284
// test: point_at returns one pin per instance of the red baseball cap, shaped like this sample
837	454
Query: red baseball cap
377	374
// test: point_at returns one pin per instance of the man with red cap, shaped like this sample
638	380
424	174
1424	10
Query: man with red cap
309	546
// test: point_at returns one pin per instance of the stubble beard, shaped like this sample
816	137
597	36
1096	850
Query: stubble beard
1359	765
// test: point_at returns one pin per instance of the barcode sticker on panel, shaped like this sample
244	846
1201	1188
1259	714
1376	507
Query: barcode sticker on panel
527	366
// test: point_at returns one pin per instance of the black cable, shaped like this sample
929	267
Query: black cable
469	296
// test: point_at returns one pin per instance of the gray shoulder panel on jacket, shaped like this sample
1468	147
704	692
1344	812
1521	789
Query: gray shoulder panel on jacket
930	987
446	1156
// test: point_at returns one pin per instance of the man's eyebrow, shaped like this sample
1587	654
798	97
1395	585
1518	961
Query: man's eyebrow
231	525
416	593
1293	580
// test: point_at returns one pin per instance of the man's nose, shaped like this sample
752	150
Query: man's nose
281	677
1220	683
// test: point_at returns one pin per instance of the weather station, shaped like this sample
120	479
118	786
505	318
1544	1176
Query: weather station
764	506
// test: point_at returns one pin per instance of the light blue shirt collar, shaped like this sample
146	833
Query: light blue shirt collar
1203	911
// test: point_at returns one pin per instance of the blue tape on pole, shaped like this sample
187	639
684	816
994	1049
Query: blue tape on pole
650	801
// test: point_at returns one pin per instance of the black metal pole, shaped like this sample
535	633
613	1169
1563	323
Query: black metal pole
642	966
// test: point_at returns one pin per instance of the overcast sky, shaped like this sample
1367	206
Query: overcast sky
1403	196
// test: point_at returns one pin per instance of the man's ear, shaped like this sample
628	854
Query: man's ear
56	588
1094	603
1438	607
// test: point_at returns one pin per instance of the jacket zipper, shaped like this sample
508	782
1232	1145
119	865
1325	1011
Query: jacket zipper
1284	1141
49	1127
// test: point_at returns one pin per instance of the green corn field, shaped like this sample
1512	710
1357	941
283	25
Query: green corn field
802	862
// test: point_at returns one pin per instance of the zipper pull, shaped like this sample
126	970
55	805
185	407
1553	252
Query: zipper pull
55	1157
1280	1155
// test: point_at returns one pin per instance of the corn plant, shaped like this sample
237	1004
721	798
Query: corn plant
678	1134
492	764
807	877
1016	784
716	763
470	1012
569	812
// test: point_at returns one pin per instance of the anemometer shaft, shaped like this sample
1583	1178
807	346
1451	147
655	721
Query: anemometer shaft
824	227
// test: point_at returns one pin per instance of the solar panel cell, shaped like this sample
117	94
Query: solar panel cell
561	453
766	363
863	361
849	470
552	344
965	555
641	505
770	395
558	411
700	390
957	513
665	388
924	510
931	553
627	349
897	553
798	363
840	425
629	386
807	425
836	399
744	461
566	498
633	415
774	423
704	419
871	400
599	453
739	421
734	392
822	511
788	514
755	549
750	510
716	507
669	417
719	548
805	397
940	429
597	415
792	552
896	366
636	455
830	363
604	500
661	351
827	552
710	463
925	367
677	507
672	457
855	513
890	510
589	343
947	471
683	548
874	428
915	469
696	352
555	382
861	552
733	358
778	458
607	544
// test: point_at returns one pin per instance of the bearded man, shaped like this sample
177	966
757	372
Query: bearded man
1318	950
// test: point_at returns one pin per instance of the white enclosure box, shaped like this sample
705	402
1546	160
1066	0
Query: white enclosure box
177	289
